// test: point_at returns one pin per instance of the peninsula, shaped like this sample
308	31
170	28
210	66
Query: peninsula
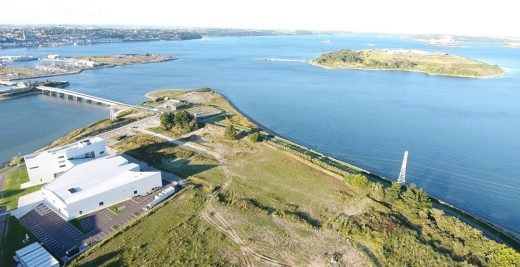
254	198
432	63
54	65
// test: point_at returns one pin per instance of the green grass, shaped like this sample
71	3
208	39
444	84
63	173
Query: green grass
114	209
12	191
172	158
12	241
173	235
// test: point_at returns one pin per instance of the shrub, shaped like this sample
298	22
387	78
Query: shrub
230	133
358	180
393	192
254	137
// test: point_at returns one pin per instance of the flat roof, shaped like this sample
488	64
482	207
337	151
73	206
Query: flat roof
67	147
93	177
35	255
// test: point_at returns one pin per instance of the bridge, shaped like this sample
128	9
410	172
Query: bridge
81	97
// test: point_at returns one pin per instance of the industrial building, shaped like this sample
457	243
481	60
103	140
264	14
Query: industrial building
46	166
34	255
98	184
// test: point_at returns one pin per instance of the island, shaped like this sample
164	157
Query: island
432	63
54	65
251	197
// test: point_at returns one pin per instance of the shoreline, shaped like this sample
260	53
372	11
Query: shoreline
87	69
488	229
512	239
310	62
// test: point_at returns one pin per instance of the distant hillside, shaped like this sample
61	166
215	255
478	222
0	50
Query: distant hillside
432	63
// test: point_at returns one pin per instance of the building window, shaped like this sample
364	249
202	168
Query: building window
80	212
135	192
61	157
62	166
101	152
101	203
35	167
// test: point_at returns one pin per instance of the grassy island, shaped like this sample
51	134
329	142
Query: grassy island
433	63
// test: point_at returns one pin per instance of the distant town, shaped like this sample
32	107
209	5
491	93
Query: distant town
48	36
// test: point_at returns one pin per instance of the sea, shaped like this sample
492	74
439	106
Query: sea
463	135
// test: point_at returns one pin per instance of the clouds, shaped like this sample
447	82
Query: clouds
489	18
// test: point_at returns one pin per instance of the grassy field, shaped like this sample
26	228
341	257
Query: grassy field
430	63
173	235
12	241
169	157
12	191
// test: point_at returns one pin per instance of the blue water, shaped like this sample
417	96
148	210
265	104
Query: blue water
463	134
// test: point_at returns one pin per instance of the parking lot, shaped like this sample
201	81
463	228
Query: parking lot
53	231
59	235
100	224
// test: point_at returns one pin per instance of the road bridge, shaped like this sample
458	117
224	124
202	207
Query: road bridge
81	97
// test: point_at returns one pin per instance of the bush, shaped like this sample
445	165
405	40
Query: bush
504	257
416	199
393	192
230	133
358	180
255	137
377	193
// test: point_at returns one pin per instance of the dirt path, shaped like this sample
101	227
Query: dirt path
209	213
213	217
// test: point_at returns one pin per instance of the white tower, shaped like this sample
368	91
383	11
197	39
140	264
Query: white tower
402	174
112	113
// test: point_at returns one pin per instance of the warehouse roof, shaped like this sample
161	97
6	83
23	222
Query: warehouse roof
95	176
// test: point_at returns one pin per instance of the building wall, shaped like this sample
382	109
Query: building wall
46	166
110	197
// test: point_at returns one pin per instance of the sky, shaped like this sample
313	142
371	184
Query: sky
495	18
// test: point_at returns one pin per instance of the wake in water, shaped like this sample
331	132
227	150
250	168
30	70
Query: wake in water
283	59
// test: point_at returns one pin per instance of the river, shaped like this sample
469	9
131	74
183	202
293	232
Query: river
463	135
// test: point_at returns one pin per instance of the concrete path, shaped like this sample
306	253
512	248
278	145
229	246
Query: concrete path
27	203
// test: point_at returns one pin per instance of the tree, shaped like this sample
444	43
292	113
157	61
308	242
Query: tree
393	192
230	133
182	119
167	120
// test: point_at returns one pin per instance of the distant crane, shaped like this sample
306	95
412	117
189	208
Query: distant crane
402	174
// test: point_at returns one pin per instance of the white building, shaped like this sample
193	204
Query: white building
46	166
98	184
34	255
